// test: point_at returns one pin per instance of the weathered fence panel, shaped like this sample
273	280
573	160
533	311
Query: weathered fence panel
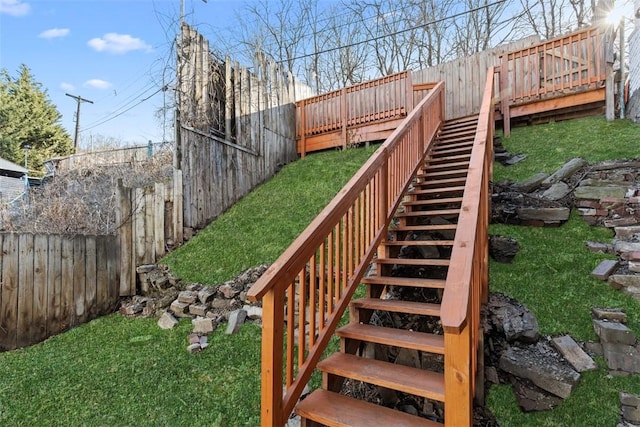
50	283
235	128
464	76
149	223
115	156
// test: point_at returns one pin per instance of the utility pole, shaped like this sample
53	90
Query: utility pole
79	100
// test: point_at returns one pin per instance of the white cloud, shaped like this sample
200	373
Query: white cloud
67	86
118	43
53	33
97	84
14	7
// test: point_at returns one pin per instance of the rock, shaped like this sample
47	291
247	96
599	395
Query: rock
236	320
204	325
513	319
530	184
253	312
619	222
180	309
194	348
593	347
621	246
557	191
599	247
531	398
204	342
194	287
597	193
619	281
622	357
491	375
630	407
228	291
187	297
198	309
629	233
132	309
222	304
503	249
572	352
613	332
544	214
146	268
194	338
167	321
634	266
206	295
536	364
611	314
605	269
565	171
630	256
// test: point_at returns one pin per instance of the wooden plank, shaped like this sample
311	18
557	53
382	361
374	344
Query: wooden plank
54	285
79	278
40	270
103	284
139	240
25	290
125	238
178	209
9	288
91	274
149	256
159	197
67	314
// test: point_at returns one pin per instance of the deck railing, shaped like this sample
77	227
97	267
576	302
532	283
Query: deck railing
375	101
306	291
567	64
468	278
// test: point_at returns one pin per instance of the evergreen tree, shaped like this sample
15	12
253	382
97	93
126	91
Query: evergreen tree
28	118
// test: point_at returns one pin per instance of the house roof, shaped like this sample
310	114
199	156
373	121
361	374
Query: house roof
10	166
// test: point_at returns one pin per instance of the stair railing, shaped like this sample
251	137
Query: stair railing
306	291
467	282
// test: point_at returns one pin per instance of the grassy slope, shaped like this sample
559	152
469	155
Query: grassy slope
116	371
127	372
552	273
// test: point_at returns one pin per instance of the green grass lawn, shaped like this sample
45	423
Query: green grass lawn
122	372
551	274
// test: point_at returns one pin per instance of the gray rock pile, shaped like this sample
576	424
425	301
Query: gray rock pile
171	299
606	193
617	343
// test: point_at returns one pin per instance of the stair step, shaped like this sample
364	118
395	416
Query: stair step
467	145
397	306
434	182
428	227
442	190
437	212
336	410
456	173
447	159
421	341
424	202
418	243
406	379
431	167
405	281
413	261
456	139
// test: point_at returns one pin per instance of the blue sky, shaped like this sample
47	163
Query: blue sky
111	52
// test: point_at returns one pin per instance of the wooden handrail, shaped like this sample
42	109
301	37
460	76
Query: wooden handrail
466	287
315	278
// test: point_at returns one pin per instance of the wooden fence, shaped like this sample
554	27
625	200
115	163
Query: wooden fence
150	222
358	112
126	155
235	128
50	283
465	75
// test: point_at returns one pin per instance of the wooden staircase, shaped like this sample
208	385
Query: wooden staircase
409	275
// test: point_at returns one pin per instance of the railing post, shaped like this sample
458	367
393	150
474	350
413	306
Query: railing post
344	117
458	412
303	130
504	96
271	373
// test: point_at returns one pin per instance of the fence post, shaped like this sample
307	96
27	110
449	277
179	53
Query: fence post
457	377
504	95
272	342
124	223
344	116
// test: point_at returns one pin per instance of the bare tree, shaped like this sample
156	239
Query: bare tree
551	18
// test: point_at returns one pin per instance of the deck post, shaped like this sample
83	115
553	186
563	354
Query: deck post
303	130
457	378
344	117
271	372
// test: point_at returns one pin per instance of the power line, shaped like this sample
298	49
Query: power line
395	33
122	112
